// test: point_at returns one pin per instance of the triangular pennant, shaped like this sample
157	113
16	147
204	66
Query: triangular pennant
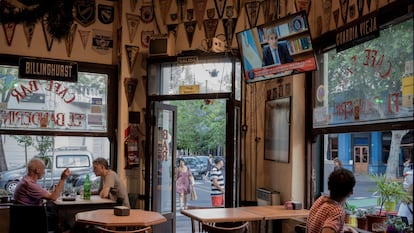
327	9
133	4
360	5
344	10
229	26
369	5
9	29
130	85
46	34
189	30
199	9
252	11
132	23
210	27
220	5
336	17
164	8
266	6
303	5
70	38
238	5
28	29
132	54
84	35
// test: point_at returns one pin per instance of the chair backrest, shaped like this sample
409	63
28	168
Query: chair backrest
106	230
28	219
240	228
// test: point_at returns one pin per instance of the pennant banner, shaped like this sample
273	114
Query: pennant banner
165	8
344	10
132	23
220	5
9	29
132	54
145	38
84	35
28	29
46	34
252	11
327	9
199	10
85	12
69	39
229	26
189	30
102	41
105	13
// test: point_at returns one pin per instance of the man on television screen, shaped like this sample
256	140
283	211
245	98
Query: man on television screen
275	53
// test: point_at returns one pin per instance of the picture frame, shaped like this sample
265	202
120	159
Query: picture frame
277	130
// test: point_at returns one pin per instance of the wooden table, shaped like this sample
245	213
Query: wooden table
248	213
106	218
67	210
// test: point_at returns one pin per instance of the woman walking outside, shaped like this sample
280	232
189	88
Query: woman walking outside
183	182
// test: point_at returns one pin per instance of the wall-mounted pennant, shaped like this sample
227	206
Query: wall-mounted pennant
220	5
360	6
70	38
344	10
190	14
84	35
266	11
199	10
28	29
164	8
132	54
237	5
130	85
102	41
189	31
147	14
132	23
336	17
369	5
303	5
133	4
145	38
327	9
229	11
211	13
9	29
318	25
352	11
46	34
252	11
210	27
85	12
105	13
229	26
182	8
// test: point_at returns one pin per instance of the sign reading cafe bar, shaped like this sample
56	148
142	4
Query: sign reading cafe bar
48	69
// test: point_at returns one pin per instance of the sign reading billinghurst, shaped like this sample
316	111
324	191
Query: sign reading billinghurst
47	69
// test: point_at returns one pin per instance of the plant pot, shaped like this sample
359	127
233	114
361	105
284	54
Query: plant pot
376	221
362	223
389	206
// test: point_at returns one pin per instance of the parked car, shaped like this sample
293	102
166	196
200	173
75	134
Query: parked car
408	179
194	166
77	159
204	160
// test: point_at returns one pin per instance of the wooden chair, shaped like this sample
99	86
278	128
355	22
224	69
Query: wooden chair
106	230
33	219
193	224
239	228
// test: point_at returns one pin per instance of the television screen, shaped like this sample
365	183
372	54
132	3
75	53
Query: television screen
277	49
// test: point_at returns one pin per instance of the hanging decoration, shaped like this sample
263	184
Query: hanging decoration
132	24
84	35
344	10
165	8
220	5
147	14
132	55
59	14
327	9
106	13
145	38
85	12
252	11
69	39
9	29
47	35
199	10
28	29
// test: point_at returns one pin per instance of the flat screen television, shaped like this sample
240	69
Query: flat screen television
282	47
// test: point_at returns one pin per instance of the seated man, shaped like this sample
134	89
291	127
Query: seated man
327	214
29	192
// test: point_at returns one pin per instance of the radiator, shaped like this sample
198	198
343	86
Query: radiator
267	197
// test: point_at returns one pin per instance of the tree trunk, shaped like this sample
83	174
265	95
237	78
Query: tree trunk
393	158
3	163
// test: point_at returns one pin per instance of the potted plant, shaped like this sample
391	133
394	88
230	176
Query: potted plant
350	211
361	218
395	224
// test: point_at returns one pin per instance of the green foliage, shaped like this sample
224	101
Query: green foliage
396	223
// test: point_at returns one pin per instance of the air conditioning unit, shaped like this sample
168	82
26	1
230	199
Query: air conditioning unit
267	197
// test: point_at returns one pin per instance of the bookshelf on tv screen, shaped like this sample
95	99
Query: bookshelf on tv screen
277	49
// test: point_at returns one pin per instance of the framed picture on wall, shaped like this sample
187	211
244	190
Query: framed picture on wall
277	130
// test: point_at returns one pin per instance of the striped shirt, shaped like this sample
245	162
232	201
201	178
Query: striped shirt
216	173
325	213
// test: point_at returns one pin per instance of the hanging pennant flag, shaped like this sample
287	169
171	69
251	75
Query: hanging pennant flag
182	8
164	8
303	5
229	26
145	38
28	29
132	23
132	54
220	5
344	10
336	17
360	5
189	30
210	13
352	11
327	9
210	27
237	6
85	12
102	41
190	14
369	5
46	34
199	10
105	13
84	35
318	25
69	39
229	11
266	6
9	29
147	14
133	4
252	11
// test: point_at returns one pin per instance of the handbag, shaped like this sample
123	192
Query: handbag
193	194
